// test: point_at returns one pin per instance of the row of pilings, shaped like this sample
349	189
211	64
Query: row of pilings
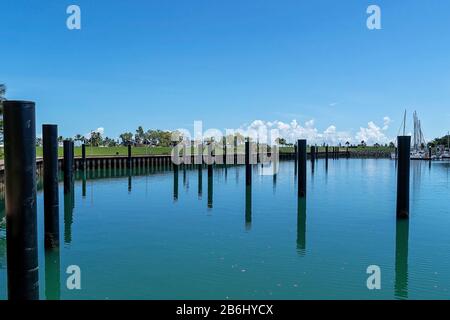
20	184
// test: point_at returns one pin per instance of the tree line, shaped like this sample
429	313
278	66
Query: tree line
443	141
141	137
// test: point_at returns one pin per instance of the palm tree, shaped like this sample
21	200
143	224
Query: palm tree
79	137
139	137
127	138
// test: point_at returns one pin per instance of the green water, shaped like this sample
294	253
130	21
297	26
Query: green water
146	237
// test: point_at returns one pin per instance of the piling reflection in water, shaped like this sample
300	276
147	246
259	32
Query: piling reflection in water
52	274
416	170
129	180
68	216
274	175
210	187
83	184
200	181
175	183
401	259
248	207
301	226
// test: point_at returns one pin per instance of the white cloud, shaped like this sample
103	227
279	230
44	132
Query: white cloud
100	130
372	134
293	131
386	122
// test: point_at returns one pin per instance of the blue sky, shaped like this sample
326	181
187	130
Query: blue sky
163	64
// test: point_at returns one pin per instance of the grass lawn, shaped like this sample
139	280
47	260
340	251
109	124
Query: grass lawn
113	151
140	151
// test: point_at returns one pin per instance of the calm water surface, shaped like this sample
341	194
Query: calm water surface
147	237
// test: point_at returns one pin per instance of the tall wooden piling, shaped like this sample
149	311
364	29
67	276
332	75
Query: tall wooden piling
51	195
129	160
248	167
224	152
20	194
68	165
301	170
83	156
403	176
72	154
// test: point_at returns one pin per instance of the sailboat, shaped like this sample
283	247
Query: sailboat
446	154
419	150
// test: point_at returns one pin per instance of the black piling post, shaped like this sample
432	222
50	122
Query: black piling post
430	154
20	194
129	160
312	153
301	170
68	165
248	167
224	152
72	154
51	195
403	175
83	156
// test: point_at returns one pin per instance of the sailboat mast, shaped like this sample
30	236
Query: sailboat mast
404	123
